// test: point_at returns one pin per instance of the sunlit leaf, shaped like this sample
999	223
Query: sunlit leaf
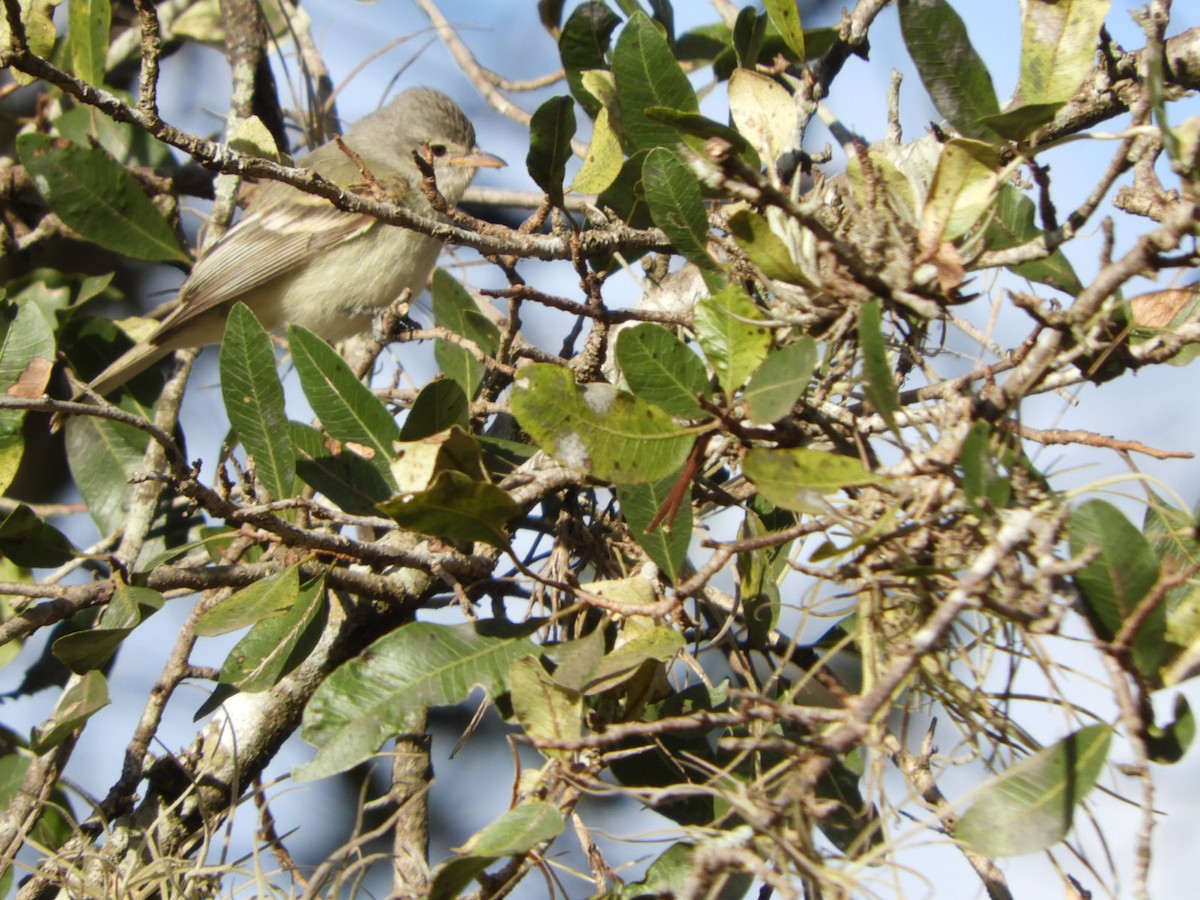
764	112
955	76
381	692
253	398
88	22
277	644
733	336
1115	581
781	380
785	16
545	708
348	410
660	368
456	310
1058	46
597	428
1031	806
455	507
98	198
83	698
265	599
667	545
603	160
648	75
676	205
796	478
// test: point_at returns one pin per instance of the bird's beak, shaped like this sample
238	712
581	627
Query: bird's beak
478	159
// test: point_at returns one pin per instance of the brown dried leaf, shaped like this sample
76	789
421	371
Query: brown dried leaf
1161	309
32	382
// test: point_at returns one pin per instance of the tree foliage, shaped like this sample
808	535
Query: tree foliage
730	550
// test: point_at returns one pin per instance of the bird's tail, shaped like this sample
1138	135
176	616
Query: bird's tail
138	359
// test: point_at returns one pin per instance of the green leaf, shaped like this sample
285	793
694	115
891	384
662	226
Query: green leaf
455	875
674	872
251	137
780	381
730	330
545	708
1122	573
667	875
660	368
963	189
785	16
276	645
54	826
982	479
604	158
12	450
99	199
382	692
455	310
676	205
1013	225
1018	122
795	478
878	382
346	478
84	651
254	403
1171	534
583	45
952	72
625	198
749	30
659	644
648	75
32	543
103	456
347	408
550	132
88	23
1058	45
694	125
611	434
27	352
37	20
576	660
667	545
265	599
766	249
439	405
517	831
127	143
1031	805
456	507
758	585
82	699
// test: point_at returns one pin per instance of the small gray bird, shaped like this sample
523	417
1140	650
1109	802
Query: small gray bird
295	258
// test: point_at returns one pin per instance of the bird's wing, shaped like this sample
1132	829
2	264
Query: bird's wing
284	233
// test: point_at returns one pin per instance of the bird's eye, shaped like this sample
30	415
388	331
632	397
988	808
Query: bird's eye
438	150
